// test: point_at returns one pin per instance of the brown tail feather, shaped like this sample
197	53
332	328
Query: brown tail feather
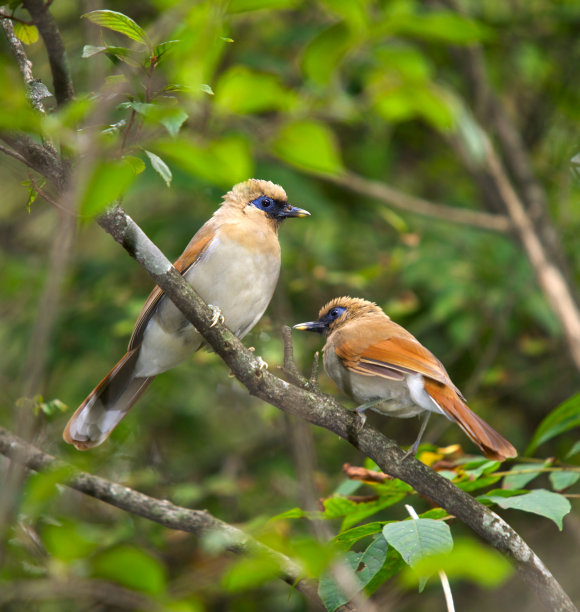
106	405
492	444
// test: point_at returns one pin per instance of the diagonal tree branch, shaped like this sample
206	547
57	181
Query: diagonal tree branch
326	412
198	522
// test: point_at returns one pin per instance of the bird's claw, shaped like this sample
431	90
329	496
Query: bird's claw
262	365
217	315
362	417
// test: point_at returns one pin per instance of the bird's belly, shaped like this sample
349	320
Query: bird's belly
401	398
239	281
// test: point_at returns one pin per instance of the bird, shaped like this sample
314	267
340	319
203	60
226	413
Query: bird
384	367
233	262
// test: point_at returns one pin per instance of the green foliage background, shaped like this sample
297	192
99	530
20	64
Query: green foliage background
294	92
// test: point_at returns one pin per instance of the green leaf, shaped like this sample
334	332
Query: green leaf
223	162
69	540
136	163
416	539
350	536
118	52
28	34
564	479
118	22
131	567
565	417
293	513
574	450
545	503
41	488
441	26
160	167
250	572
108	182
309	145
354	511
520	480
206	89
490	570
169	116
242	91
322	56
365	567
243	6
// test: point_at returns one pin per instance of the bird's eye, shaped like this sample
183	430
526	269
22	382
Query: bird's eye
266	202
334	313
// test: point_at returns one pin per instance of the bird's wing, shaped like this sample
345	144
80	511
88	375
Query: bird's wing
390	356
196	247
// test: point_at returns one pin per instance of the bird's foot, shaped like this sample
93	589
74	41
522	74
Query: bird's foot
262	365
217	315
362	417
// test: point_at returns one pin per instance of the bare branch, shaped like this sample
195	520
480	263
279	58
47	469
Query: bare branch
326	412
398	199
46	24
198	522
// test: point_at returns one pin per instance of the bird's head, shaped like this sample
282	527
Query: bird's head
337	312
264	197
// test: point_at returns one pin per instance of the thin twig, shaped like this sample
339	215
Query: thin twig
387	194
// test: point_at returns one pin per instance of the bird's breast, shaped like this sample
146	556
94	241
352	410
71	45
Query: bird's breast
239	280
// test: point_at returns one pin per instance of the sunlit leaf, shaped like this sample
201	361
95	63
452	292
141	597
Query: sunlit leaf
118	22
241	91
574	450
223	162
565	417
131	567
545	503
108	182
160	167
28	34
310	145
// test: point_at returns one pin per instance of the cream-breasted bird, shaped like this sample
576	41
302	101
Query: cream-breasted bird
233	262
385	368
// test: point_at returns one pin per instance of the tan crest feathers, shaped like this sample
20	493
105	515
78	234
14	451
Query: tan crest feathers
243	193
354	306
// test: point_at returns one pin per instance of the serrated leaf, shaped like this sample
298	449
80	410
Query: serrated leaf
564	479
26	33
118	22
310	145
160	167
416	539
545	503
565	417
131	567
